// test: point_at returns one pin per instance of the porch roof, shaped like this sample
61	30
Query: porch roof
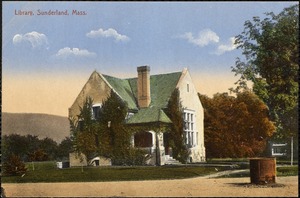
149	115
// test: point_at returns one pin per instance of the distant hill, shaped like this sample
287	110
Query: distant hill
41	125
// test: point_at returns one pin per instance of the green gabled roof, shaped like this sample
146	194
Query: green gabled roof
122	87
149	115
161	88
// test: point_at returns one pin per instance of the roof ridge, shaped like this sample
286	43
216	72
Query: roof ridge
154	75
112	76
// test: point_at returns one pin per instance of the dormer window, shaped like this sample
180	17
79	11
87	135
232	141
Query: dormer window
129	115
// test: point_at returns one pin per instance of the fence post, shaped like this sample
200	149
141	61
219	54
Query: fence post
292	150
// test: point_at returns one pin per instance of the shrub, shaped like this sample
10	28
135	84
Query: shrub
133	157
14	166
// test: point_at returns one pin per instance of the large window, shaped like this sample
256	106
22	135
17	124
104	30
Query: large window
190	133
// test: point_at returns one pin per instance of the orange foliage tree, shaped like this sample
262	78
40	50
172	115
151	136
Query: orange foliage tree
235	126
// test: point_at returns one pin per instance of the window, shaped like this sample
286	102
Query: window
96	111
190	134
188	88
80	125
129	115
192	138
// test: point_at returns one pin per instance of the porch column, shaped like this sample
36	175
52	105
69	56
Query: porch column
160	149
132	140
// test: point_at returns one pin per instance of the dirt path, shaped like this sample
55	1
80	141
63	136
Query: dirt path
198	187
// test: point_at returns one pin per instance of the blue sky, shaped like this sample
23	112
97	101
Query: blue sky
54	53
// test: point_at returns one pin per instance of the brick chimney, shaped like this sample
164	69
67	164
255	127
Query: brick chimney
143	86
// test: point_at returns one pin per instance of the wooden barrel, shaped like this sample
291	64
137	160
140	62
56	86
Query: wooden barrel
262	170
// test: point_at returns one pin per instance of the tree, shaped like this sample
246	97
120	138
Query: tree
30	148
235	126
175	135
84	131
270	47
14	144
50	147
38	155
24	146
64	148
114	137
107	135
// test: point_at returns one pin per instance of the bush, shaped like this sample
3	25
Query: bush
133	157
14	166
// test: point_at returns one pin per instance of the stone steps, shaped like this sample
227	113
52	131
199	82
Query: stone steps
171	161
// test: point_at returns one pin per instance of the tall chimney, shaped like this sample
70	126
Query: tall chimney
143	86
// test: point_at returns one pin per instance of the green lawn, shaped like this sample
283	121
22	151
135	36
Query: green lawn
287	171
47	172
280	172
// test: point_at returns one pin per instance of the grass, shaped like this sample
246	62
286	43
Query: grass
226	160
47	172
280	172
287	171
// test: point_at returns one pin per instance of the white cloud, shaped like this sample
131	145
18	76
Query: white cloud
66	52
107	33
204	37
36	39
229	46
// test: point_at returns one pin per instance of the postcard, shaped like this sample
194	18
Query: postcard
103	99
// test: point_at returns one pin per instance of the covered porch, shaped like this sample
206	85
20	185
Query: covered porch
149	126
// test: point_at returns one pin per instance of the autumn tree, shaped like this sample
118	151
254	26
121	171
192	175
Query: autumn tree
235	126
38	155
175	135
271	62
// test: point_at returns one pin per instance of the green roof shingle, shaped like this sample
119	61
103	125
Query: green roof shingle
161	88
149	115
122	87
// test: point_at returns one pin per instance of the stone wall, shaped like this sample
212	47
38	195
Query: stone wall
96	87
191	101
77	160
